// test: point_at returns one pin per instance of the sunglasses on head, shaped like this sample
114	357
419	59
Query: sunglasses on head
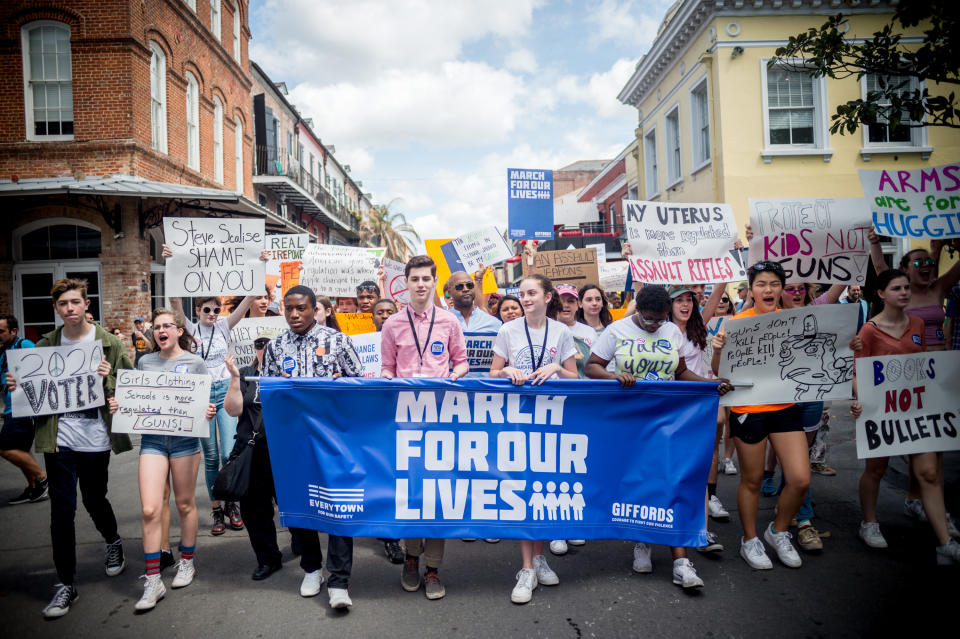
260	343
925	262
207	309
368	288
463	285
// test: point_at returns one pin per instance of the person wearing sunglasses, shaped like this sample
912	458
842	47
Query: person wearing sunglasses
462	291
367	295
212	335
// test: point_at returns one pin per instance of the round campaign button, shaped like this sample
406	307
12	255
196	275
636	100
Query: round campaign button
436	348
181	368
289	364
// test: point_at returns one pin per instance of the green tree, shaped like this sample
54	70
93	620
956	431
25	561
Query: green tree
390	229
827	51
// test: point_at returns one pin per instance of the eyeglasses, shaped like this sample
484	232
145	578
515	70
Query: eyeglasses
260	343
492	301
927	262
795	291
463	285
207	309
652	322
368	288
724	299
165	327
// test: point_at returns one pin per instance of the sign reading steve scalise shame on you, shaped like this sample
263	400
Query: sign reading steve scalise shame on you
218	256
483	458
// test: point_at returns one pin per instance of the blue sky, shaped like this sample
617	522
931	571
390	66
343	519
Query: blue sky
430	101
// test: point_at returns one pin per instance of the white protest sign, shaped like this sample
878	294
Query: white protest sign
395	282
56	379
162	403
796	355
814	239
909	403
485	246
367	346
682	243
613	275
288	247
914	203
247	330
601	252
336	271
215	256
713	327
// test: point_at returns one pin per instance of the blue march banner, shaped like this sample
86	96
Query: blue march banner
530	204
479	351
570	459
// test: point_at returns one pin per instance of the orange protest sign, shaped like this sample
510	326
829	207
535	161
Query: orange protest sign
618	313
289	276
356	323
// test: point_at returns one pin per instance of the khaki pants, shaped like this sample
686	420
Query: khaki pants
431	549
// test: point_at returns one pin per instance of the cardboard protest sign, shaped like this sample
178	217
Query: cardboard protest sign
530	204
288	247
435	250
577	266
909	404
682	243
336	271
485	246
56	379
356	323
214	256
367	346
815	239
479	352
162	403
914	203
601	252
247	330
395	282
613	275
797	355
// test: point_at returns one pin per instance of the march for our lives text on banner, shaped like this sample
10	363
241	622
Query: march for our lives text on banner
816	240
483	458
682	243
479	352
909	403
914	202
530	204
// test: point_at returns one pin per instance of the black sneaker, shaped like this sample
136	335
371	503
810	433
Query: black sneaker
393	551
60	604
166	560
23	497
113	559
40	491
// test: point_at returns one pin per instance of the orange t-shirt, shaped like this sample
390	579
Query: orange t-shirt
762	408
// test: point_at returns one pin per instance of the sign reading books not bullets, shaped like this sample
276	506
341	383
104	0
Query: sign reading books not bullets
910	404
815	240
56	379
162	403
796	355
218	256
682	243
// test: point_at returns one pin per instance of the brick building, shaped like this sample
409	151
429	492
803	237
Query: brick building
116	113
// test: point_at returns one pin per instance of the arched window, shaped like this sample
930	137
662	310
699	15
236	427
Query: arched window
158	98
238	153
217	140
193	122
47	80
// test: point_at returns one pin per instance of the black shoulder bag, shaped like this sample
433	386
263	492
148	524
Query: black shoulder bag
233	480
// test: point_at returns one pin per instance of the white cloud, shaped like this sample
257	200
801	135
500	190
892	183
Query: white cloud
601	89
625	23
521	60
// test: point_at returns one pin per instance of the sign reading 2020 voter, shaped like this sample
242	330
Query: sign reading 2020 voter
483	458
530	204
219	256
922	202
682	243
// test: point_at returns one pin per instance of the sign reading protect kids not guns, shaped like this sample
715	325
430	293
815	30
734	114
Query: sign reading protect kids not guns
214	256
909	404
56	379
682	243
915	202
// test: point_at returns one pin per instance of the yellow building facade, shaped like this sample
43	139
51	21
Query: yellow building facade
717	125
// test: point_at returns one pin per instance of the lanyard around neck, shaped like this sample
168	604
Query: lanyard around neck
416	339
543	349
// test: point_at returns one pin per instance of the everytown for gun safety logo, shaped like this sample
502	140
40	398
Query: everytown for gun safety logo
335	503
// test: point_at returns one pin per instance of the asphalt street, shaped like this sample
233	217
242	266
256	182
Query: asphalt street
846	590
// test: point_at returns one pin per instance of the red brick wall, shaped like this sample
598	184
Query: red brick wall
611	174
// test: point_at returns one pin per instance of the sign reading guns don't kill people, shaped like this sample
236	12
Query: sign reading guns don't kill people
56	379
162	403
214	256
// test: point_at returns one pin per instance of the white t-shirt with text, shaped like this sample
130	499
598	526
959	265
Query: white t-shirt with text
511	344
82	431
649	356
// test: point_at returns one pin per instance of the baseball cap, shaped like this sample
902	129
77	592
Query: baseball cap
742	286
273	307
677	291
139	319
568	289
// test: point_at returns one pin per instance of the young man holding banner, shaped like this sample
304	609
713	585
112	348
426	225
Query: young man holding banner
422	341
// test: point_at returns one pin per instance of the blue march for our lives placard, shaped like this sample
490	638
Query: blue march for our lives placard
530	204
569	459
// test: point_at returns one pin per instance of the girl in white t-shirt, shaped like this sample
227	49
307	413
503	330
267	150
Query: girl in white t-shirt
534	347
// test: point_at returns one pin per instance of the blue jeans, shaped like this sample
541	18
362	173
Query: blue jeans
226	427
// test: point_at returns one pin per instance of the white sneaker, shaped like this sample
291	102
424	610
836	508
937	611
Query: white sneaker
339	598
545	574
641	558
755	554
186	571
60	604
728	467
153	591
871	535
717	511
310	586
685	575
526	583
558	547
781	543
577	542
914	508
949	553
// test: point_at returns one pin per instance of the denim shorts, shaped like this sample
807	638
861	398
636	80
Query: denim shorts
810	415
169	446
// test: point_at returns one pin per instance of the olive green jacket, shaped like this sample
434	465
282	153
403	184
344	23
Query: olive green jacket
115	353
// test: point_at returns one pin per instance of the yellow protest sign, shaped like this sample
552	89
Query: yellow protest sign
443	271
356	323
